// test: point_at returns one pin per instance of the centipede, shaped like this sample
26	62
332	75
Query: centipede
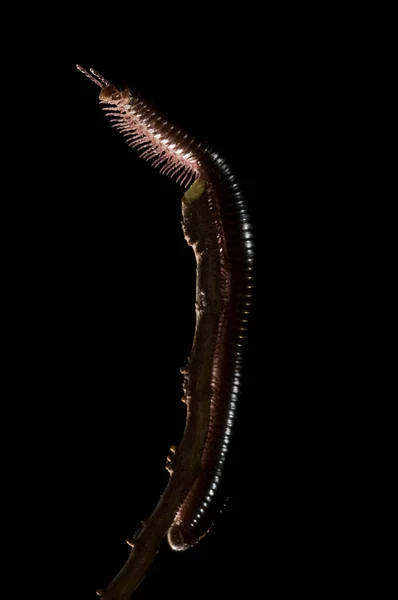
216	224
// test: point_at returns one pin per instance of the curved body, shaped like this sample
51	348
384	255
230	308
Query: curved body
216	225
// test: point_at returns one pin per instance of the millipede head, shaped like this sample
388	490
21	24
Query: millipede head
109	93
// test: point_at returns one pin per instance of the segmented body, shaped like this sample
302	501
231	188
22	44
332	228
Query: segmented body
216	224
229	302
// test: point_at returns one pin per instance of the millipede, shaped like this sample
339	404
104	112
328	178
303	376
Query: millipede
216	224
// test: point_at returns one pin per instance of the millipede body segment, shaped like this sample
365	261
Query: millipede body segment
216	224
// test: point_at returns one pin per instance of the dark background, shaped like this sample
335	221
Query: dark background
104	298
110	321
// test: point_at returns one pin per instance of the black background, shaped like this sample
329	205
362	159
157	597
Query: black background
113	317
104	297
